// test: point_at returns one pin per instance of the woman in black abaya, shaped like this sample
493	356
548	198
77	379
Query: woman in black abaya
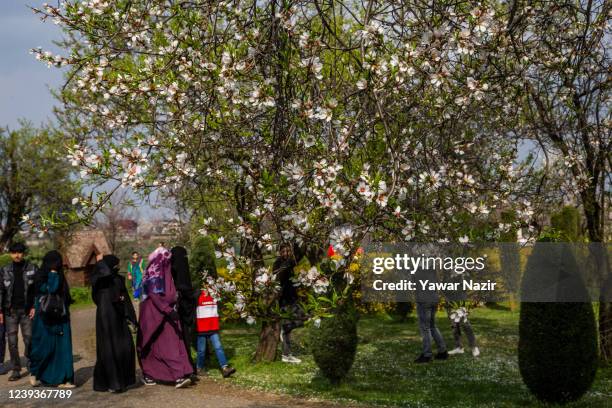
115	352
187	296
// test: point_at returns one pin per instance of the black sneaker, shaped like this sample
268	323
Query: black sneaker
183	382
227	371
442	356
422	359
16	375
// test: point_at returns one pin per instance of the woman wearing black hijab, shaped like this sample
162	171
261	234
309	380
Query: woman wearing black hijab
51	360
115	368
187	296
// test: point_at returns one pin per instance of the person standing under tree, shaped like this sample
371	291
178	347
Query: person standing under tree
187	297
456	306
208	329
115	368
458	315
51	349
283	268
135	271
426	306
17	305
161	350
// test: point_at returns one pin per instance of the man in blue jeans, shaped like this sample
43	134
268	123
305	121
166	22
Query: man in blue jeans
426	307
426	313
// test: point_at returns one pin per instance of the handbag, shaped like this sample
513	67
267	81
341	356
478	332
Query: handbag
52	306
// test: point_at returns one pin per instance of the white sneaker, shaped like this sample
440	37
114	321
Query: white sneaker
148	381
182	382
291	359
475	351
457	350
34	382
66	385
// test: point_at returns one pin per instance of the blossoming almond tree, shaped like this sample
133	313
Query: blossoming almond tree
313	122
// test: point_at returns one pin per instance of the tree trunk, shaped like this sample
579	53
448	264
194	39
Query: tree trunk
605	313
605	331
269	337
592	212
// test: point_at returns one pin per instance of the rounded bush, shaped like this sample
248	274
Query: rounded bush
202	259
334	344
557	341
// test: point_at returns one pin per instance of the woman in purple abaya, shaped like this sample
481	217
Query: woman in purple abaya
161	350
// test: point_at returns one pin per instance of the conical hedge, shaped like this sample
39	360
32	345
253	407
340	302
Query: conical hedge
334	344
202	259
557	341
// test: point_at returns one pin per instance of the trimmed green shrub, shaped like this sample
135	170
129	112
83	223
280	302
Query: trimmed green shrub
202	258
557	341
334	344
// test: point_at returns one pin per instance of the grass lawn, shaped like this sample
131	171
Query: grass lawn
384	373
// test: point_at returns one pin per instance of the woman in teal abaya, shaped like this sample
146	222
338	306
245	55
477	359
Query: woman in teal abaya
51	352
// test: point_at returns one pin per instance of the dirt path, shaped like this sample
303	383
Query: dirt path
207	393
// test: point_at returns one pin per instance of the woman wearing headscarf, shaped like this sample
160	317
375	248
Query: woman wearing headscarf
115	368
135	269
187	296
161	350
51	348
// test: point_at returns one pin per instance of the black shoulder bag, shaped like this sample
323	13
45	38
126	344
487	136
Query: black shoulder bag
52	307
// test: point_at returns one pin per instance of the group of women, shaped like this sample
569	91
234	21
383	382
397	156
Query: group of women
163	327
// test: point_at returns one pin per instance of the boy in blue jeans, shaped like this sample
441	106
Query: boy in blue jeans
208	328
